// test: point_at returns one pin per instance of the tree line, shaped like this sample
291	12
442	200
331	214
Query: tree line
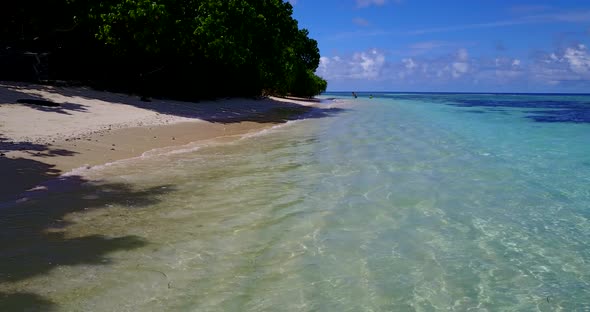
180	48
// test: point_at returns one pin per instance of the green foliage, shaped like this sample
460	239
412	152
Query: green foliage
134	24
186	48
307	84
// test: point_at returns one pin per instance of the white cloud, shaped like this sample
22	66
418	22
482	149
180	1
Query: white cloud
499	71
579	16
434	70
409	63
569	17
528	9
461	66
459	69
578	59
462	55
369	63
569	65
515	62
360	65
293	2
324	63
424	47
373	65
366	3
360	21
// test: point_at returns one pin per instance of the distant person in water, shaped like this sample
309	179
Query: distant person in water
354	94
371	96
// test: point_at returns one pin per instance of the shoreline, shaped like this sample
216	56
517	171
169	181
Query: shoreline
90	128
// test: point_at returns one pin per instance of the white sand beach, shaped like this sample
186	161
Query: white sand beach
85	127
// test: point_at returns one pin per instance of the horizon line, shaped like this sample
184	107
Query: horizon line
461	92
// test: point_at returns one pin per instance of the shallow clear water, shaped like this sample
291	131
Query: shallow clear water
402	202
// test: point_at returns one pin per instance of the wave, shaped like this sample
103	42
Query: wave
67	180
176	150
268	130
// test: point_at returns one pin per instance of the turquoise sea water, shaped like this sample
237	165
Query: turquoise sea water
403	202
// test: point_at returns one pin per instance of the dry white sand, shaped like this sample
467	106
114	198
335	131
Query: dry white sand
84	111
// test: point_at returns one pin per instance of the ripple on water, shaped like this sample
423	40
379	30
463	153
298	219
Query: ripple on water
399	204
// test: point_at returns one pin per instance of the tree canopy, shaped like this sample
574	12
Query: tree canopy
181	48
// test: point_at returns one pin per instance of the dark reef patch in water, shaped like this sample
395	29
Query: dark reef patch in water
539	108
551	110
564	115
475	111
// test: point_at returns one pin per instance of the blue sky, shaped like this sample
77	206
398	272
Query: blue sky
465	46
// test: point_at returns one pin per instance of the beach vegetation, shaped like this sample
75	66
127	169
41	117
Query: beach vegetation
181	48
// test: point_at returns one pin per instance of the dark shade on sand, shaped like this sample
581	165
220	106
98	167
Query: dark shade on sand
30	230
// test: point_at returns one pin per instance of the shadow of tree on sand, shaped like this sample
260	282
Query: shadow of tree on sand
32	226
19	174
263	110
19	94
24	302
